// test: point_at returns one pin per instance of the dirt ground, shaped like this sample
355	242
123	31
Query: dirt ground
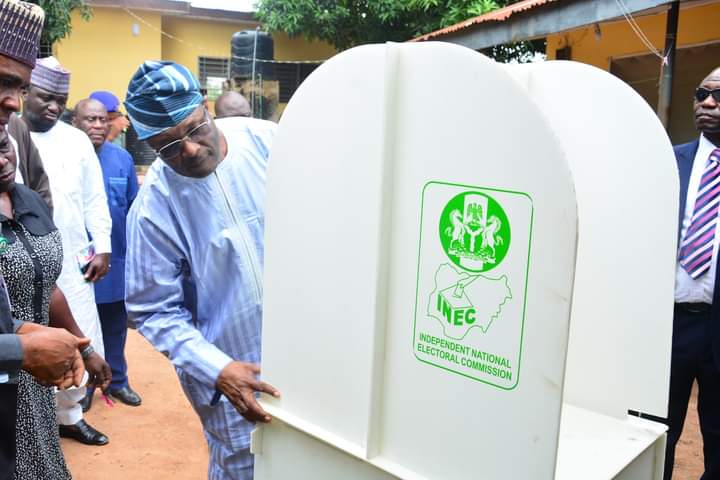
688	456
162	439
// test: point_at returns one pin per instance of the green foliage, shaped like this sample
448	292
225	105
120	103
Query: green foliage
453	11
346	23
57	17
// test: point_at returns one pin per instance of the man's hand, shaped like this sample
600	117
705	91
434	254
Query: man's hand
73	376
238	382
98	370
98	267
51	355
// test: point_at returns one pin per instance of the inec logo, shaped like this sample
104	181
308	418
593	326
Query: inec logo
474	232
472	280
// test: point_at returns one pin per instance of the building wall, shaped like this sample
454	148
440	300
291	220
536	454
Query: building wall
697	31
696	25
199	38
103	53
298	48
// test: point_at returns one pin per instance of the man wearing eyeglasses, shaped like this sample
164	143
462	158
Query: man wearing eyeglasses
194	256
696	325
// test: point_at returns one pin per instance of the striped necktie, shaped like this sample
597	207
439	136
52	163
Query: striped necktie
696	248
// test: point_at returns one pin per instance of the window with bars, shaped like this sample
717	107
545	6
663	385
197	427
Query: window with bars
213	71
45	50
290	76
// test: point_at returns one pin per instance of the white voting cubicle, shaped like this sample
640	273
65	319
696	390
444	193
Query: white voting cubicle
468	272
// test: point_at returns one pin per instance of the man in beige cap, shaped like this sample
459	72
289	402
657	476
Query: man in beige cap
50	354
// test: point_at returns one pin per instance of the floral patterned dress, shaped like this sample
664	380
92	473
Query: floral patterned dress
31	263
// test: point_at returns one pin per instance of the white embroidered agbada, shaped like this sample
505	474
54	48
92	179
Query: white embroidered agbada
78	192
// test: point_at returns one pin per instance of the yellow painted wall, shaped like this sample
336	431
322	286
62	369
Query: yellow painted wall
212	39
200	38
696	25
298	48
103	54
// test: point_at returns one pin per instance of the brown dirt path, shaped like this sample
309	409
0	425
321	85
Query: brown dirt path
688	455
161	439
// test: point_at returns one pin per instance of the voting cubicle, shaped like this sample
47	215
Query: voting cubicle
453	249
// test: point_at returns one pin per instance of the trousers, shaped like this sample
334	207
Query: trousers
113	320
8	414
692	359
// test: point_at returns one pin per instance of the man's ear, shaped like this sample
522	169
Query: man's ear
205	101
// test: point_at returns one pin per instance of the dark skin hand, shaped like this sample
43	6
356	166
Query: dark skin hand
61	316
98	371
238	382
98	267
52	355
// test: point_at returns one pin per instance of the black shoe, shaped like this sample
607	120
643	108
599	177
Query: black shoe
126	395
83	433
86	401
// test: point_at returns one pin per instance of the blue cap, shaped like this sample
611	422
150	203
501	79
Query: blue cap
110	101
161	95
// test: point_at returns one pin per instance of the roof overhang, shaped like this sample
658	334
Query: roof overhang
179	9
533	19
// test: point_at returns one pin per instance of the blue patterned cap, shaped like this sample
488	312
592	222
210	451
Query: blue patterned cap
161	95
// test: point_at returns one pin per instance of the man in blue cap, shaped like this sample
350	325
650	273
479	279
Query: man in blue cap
121	186
117	123
194	258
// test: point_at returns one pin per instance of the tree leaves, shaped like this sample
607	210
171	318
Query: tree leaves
57	18
347	23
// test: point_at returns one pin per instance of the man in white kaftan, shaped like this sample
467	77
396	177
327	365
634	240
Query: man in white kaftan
78	191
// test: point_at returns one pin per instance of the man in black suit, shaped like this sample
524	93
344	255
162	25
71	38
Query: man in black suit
696	323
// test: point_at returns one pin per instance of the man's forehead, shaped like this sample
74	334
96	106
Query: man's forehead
714	77
91	108
48	93
181	128
11	68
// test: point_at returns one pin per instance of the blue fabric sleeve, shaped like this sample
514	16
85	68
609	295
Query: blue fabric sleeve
11	354
155	299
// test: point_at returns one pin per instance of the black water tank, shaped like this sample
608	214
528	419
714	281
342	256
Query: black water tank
243	44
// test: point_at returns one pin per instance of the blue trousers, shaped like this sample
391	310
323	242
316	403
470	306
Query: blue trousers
113	320
692	359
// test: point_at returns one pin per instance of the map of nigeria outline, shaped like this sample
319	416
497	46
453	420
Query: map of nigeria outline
461	301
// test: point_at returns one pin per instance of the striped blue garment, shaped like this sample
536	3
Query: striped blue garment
161	95
193	281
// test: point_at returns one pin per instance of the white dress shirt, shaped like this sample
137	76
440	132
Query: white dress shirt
687	289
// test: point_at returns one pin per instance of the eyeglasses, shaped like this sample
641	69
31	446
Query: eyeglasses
174	148
702	93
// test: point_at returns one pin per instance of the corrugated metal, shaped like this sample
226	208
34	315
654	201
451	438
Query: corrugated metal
496	16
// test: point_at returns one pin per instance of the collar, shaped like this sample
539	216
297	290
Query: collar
705	148
20	203
30	210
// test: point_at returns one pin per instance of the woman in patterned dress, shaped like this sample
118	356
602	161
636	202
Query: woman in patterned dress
31	261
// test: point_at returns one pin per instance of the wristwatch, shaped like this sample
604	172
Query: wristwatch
86	352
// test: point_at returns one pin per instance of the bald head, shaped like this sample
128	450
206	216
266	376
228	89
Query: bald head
232	104
91	117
